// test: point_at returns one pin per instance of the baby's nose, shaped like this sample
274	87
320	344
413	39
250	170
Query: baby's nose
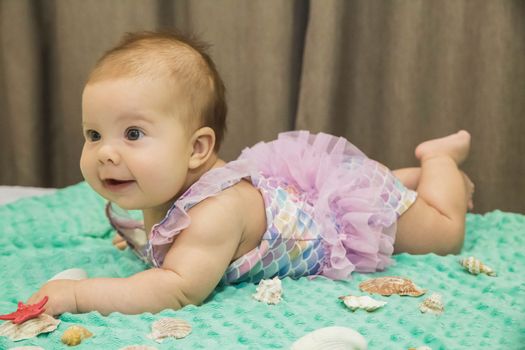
108	154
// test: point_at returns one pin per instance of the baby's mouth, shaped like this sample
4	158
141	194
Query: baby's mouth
115	184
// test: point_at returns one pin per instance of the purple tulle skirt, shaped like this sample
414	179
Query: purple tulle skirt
356	200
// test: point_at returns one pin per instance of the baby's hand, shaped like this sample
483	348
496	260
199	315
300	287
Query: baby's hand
61	295
119	242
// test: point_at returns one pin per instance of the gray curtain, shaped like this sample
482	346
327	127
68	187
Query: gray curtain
384	74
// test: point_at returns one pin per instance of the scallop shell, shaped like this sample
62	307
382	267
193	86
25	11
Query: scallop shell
475	266
169	327
74	335
432	304
30	328
331	338
362	302
269	291
138	347
389	285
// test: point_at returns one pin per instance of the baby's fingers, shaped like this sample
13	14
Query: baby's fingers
119	242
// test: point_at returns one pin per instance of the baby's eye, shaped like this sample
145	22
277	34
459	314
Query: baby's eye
133	134
93	135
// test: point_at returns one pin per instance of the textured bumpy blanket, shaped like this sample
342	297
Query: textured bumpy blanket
42	236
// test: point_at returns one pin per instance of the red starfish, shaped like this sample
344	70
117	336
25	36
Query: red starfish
25	312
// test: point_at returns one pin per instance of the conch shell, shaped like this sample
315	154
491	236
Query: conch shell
362	302
331	338
269	291
169	327
391	285
30	328
432	304
475	266
74	335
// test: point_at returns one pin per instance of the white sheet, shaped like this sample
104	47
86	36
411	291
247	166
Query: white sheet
12	193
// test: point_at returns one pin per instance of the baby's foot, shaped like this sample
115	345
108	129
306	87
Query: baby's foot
456	146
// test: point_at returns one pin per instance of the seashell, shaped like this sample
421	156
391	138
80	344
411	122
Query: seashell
389	285
269	291
169	327
70	274
432	304
475	266
362	302
74	335
30	328
331	338
138	347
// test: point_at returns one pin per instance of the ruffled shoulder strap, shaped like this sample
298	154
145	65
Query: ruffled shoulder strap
177	218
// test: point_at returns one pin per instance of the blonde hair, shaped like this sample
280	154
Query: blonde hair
178	58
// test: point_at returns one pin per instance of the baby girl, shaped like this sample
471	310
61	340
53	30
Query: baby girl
153	117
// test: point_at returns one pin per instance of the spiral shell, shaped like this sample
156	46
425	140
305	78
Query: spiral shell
74	335
389	285
475	266
432	304
269	291
169	327
30	328
362	302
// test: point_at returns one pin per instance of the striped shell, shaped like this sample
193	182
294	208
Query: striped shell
331	338
30	328
169	327
475	266
432	304
362	302
74	335
389	285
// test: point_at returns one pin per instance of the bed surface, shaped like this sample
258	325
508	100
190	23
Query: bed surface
41	236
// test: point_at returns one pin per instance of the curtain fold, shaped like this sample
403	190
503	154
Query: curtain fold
384	74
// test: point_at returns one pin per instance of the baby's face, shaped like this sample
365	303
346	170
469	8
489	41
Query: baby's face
136	148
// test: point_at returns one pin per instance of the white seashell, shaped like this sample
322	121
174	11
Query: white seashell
138	347
331	338
169	327
475	266
30	328
389	285
70	274
269	291
362	302
432	304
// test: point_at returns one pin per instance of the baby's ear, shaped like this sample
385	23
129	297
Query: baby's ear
203	141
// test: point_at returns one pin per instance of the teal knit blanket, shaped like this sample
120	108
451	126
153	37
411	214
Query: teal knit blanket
41	236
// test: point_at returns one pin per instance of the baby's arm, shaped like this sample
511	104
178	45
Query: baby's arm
192	268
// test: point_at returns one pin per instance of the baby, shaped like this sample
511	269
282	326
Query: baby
153	113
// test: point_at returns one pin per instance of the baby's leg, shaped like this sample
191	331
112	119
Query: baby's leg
436	220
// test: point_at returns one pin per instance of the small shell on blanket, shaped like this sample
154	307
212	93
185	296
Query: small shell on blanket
331	338
30	328
475	266
362	302
74	335
269	291
432	304
138	347
389	285
169	327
